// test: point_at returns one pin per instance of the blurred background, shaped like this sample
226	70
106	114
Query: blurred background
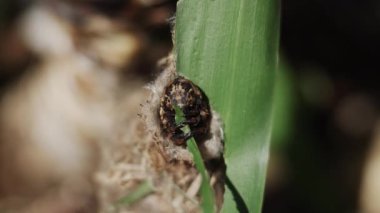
325	148
325	153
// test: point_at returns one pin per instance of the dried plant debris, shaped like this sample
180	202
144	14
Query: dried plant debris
134	161
145	170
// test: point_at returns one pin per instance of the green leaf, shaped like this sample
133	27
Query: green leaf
207	195
229	48
142	190
284	107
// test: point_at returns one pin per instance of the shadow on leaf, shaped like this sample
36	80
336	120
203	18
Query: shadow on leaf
240	204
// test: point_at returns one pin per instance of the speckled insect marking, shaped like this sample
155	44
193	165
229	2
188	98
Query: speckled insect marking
193	102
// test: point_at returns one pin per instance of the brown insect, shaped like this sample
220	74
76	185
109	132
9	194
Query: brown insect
187	96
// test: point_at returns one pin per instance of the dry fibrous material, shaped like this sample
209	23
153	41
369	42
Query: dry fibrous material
139	155
145	155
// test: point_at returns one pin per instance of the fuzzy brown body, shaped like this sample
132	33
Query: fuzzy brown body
184	94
